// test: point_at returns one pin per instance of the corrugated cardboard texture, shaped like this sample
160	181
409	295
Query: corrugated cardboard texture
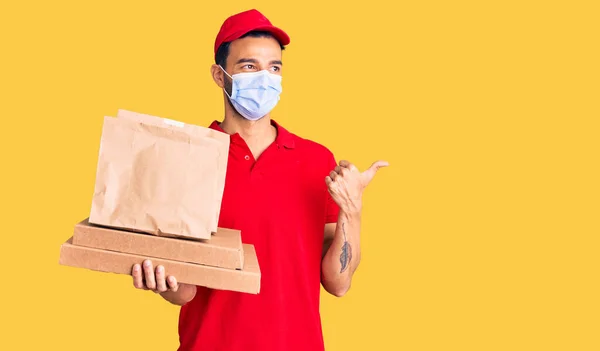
224	249
197	131
156	180
246	281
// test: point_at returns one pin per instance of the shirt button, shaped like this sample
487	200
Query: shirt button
246	157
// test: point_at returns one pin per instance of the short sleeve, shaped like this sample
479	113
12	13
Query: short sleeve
332	209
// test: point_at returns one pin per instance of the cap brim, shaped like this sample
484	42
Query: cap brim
279	34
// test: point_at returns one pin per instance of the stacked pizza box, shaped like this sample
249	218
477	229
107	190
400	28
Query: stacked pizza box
157	195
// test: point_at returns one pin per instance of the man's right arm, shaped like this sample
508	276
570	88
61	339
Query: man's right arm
145	277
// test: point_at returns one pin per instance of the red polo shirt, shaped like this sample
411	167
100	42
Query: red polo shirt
280	203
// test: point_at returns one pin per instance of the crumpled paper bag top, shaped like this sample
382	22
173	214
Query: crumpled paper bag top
197	131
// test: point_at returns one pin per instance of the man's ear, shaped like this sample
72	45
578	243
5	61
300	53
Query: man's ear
217	75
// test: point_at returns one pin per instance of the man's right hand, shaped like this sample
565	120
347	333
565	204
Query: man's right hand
147	278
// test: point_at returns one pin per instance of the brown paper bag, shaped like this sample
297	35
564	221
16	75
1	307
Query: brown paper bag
197	131
155	180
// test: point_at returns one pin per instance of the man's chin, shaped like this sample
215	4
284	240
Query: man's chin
250	120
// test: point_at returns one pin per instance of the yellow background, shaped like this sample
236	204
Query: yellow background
482	235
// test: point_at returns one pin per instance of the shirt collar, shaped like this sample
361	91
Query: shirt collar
284	138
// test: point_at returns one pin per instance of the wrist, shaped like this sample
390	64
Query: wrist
188	292
350	215
182	296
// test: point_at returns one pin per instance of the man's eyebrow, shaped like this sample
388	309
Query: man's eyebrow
255	61
246	60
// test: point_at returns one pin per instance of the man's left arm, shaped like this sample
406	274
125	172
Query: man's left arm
341	248
341	253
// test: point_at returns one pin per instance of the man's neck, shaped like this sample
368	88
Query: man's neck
257	134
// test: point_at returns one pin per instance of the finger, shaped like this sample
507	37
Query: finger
328	180
344	172
338	169
138	281
333	175
161	284
348	165
370	173
173	286
149	275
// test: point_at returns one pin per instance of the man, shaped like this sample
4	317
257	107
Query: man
289	198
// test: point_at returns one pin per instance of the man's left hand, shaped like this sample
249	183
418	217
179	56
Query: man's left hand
346	184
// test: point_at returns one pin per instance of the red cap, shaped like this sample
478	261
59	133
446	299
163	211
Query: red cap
241	23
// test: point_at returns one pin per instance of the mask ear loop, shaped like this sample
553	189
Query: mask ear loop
224	71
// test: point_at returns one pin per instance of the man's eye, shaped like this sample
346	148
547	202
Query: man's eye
249	66
275	68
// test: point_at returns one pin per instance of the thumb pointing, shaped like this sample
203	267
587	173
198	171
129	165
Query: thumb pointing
370	173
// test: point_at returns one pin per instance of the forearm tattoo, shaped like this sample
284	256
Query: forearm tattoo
346	255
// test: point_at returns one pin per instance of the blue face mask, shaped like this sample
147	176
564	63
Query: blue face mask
254	94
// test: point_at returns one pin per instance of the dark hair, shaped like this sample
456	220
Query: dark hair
223	50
